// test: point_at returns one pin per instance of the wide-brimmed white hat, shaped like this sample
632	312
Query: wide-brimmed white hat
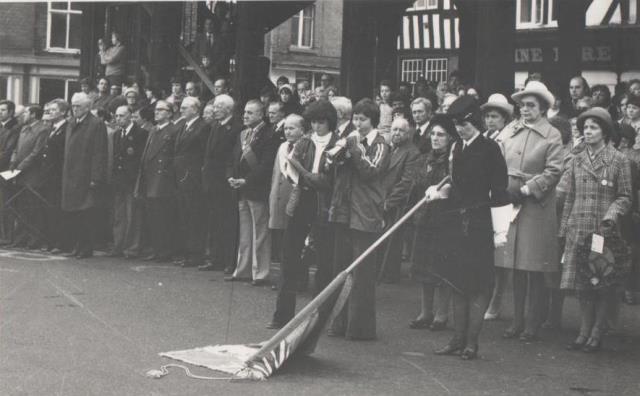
535	88
500	102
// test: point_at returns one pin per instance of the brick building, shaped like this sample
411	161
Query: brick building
39	51
308	44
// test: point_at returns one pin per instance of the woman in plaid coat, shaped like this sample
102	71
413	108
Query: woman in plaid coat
598	195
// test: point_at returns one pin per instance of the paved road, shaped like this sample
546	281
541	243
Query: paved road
94	327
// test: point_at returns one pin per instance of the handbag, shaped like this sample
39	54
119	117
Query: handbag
608	268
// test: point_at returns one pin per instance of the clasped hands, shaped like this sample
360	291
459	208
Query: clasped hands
236	183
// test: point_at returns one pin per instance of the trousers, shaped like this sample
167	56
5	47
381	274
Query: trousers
254	244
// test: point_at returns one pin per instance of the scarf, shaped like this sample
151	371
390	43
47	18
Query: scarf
320	143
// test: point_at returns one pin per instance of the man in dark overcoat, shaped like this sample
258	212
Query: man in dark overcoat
156	184
221	199
84	174
49	184
30	226
128	142
190	144
9	131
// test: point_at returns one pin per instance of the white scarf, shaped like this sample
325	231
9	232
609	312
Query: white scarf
320	143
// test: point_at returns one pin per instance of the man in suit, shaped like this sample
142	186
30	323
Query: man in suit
128	142
221	199
190	145
212	46
9	132
156	184
50	184
249	173
422	111
30	227
84	173
276	120
398	183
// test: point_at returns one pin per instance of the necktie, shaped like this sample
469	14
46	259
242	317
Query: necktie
290	147
365	143
123	132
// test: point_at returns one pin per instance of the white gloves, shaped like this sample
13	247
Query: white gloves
433	193
501	219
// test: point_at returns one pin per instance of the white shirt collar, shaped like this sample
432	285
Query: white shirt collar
466	143
128	129
79	120
58	124
371	136
225	121
343	126
160	126
280	123
189	123
423	128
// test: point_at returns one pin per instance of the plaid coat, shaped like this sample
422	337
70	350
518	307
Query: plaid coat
597	190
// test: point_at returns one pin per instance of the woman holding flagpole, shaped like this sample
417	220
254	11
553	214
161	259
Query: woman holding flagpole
479	203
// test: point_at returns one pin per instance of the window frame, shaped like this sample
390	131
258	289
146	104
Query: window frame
67	12
301	25
547	5
442	73
416	70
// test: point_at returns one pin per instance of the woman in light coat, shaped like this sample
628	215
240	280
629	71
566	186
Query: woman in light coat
599	194
533	151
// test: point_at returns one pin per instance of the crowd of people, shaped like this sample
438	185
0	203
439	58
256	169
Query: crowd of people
542	192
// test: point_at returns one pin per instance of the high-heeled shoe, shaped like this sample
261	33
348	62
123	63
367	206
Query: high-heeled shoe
577	344
451	348
469	353
592	345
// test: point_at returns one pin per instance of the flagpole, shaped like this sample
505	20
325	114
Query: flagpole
335	283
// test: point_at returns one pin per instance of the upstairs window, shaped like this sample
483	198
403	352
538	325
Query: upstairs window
531	14
302	28
63	26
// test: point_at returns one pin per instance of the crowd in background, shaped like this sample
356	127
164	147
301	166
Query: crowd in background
306	177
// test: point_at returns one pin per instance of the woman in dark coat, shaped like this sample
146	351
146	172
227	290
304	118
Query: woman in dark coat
433	238
477	195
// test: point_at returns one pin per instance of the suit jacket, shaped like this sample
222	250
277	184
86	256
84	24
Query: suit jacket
114	58
156	176
189	149
350	128
51	158
401	175
8	141
255	163
220	146
422	142
278	133
127	152
280	191
30	142
216	52
85	162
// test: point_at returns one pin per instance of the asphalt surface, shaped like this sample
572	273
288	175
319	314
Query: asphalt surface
95	327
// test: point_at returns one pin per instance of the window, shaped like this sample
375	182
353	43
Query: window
423	5
302	28
535	14
63	26
432	4
51	88
411	70
436	69
4	87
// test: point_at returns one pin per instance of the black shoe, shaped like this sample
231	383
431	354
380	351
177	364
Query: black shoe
163	259
437	325
527	337
423	323
577	344
229	270
259	282
188	264
275	325
234	279
469	353
114	254
511	332
451	348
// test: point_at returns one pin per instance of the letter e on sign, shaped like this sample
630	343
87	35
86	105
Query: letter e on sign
587	54
604	53
536	54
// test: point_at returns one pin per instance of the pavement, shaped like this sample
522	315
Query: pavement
96	326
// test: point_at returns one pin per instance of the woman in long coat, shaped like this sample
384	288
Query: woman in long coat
599	192
533	151
477	189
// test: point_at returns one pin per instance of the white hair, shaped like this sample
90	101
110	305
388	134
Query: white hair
342	105
225	100
80	97
192	100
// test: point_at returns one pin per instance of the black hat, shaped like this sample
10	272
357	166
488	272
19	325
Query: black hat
445	121
465	108
633	100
